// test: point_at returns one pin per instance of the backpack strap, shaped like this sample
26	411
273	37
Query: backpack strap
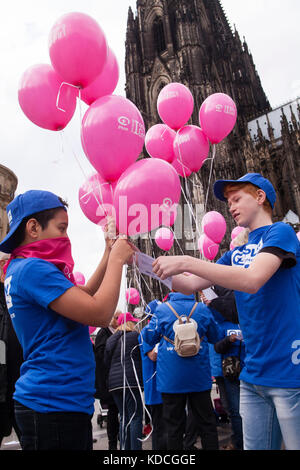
169	340
174	311
193	309
179	317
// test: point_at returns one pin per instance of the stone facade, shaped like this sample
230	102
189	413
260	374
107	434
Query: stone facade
8	185
191	41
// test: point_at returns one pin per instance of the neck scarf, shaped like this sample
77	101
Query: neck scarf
54	250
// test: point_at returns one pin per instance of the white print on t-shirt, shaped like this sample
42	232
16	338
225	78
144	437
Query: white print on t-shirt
245	257
296	354
7	286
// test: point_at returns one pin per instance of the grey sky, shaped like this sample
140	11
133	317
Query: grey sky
55	161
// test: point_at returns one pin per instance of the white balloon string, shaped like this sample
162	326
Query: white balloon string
214	149
153	254
191	211
141	394
59	92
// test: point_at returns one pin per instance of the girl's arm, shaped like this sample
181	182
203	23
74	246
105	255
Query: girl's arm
97	309
94	282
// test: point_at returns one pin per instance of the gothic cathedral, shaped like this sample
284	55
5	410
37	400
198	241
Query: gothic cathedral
191	42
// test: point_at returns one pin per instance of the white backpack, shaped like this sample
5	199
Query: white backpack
187	341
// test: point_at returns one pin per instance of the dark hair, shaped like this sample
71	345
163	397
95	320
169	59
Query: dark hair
42	218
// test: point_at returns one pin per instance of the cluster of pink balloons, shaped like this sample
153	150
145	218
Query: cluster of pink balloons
144	197
80	59
132	296
214	229
186	147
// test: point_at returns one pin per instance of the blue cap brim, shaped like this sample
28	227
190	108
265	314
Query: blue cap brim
219	187
7	245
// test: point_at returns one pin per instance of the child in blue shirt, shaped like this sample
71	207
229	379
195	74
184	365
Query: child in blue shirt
265	275
55	392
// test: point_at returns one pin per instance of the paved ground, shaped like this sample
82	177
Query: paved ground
11	442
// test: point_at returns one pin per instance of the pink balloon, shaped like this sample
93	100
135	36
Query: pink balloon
79	278
146	196
132	296
112	135
43	98
208	247
164	238
96	199
181	168
105	83
175	105
217	116
191	147
298	235
214	226
77	48
159	142
236	231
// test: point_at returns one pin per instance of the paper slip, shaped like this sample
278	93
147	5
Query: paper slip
209	294
144	263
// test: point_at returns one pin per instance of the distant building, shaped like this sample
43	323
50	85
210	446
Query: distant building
191	41
8	186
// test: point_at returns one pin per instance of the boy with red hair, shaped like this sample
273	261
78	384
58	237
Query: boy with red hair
265	275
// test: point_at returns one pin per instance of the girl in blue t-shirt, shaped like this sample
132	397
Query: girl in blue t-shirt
265	275
55	392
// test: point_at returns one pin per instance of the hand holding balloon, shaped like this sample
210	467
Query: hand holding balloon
121	251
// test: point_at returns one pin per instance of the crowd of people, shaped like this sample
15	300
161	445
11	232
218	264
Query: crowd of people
246	334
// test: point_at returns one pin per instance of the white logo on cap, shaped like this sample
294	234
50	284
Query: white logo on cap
9	217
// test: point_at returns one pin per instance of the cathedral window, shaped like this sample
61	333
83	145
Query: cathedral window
159	35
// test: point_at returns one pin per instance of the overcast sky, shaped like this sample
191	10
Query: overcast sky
54	161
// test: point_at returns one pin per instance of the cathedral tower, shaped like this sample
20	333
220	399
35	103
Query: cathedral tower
191	42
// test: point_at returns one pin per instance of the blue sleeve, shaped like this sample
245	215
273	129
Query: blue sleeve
145	347
225	259
152	333
281	236
42	282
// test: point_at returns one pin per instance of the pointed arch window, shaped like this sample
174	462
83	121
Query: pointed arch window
159	35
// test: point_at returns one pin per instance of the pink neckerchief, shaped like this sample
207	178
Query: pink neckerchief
55	250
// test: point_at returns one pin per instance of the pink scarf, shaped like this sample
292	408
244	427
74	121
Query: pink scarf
54	250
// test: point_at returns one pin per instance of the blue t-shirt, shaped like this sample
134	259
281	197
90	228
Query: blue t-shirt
58	372
270	319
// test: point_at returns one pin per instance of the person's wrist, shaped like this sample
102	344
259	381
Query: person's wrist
186	263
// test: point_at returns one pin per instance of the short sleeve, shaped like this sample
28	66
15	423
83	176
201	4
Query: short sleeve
282	241
282	236
42	282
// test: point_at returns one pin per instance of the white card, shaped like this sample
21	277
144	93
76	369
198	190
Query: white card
209	294
144	263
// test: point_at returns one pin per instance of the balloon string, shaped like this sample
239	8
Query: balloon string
125	381
187	196
90	191
59	92
214	149
153	254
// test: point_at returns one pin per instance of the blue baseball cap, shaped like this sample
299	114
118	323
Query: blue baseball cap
254	178
24	205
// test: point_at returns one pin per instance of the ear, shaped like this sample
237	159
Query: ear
261	196
33	228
